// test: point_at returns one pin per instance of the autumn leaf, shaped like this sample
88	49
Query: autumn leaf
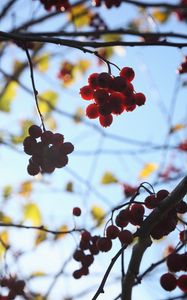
80	15
98	214
42	62
108	178
25	188
177	127
32	213
41	236
69	187
37	274
161	16
48	101
17	139
63	228
4	242
83	65
7	191
8	96
4	218
147	170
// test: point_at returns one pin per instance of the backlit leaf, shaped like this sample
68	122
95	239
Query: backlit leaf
64	229
8	96
98	214
25	124
4	218
25	188
41	236
161	16
4	243
108	178
80	15
37	274
48	101
7	191
147	170
32	213
69	187
83	65
42	62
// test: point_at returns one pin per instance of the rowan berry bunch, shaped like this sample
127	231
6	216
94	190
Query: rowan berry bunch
15	287
111	95
183	67
59	5
48	153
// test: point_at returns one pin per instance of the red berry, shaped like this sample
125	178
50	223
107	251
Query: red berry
76	211
136	214
151	201
125	237
92	111
104	80
106	121
161	195
33	169
181	207
127	73
86	92
35	131
57	139
104	244
116	103
174	262
78	255
140	99
77	274
112	232
182	283
47	137
168	281
66	148
119	84
93	80
101	96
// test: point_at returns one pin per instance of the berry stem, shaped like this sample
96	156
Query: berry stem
34	87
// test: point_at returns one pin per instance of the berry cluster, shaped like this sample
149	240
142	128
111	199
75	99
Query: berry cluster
176	263
59	5
108	3
111	95
15	287
48	153
183	67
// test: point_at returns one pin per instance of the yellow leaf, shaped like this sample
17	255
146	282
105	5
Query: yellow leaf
4	241
98	214
177	127
4	218
32	213
8	96
64	229
78	115
161	15
7	191
37	274
83	65
80	15
41	236
69	187
48	101
147	170
108	178
25	189
25	124
42	62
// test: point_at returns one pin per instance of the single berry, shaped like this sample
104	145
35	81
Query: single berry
92	111
112	232
182	282
140	99
104	244
86	92
93	80
76	211
125	237
168	282
35	131
106	121
127	73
